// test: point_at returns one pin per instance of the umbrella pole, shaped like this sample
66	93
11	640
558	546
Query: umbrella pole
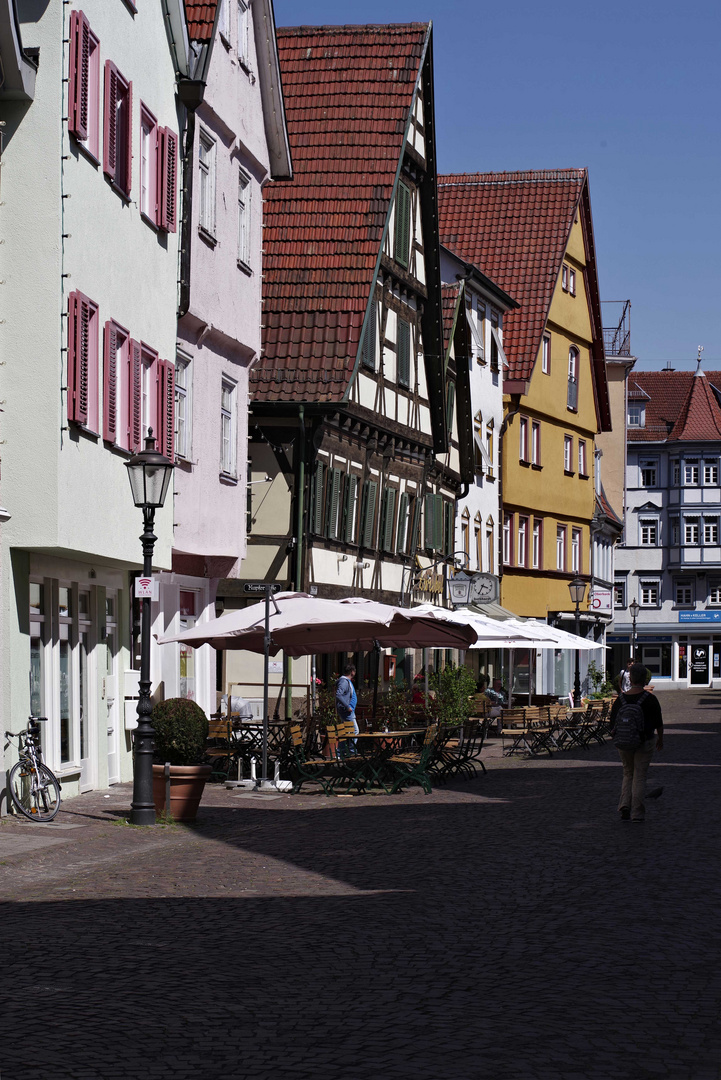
377	651
425	675
266	642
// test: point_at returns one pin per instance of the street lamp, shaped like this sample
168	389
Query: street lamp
634	607
577	589
149	473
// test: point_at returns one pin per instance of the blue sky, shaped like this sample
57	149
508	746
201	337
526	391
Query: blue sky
631	90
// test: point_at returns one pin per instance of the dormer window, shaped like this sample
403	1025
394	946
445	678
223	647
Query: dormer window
636	414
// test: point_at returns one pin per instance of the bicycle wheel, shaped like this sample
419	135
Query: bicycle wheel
34	791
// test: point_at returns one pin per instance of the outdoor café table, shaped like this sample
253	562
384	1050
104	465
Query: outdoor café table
375	747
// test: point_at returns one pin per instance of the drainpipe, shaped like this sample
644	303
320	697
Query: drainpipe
516	402
298	575
190	92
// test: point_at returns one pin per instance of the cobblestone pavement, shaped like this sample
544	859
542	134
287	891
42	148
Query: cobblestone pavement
511	928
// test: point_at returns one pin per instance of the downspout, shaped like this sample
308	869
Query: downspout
190	92
516	402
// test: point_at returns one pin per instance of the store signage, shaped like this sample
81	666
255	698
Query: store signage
146	588
601	599
430	583
699	616
473	589
256	587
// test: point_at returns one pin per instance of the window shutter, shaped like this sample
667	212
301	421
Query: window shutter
450	403
135	418
79	75
350	508
318	499
404	353
368	351
128	133
369	513
449	532
401	535
110	126
402	225
333	497
167	178
165	431
438	523
78	357
110	383
388	518
429	513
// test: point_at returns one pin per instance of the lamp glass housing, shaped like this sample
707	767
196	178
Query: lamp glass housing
634	607
149	473
577	589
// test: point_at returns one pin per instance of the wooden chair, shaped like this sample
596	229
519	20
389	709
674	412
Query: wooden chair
314	768
412	766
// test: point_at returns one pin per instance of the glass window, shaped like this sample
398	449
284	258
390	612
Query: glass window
507	539
535	442
690	531
227	429
710	530
567	453
649	591
676	473
560	547
564	278
619	594
649	532
522	552
636	415
690	473
243	218
546	355
675	531
523	432
182	407
536	553
243	27
489	548
683	593
714	593
572	281
148	164
576	551
710	472
582	457
649	473
36	598
186	655
206	195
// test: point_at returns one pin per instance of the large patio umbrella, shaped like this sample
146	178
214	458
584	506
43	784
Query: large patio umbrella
302	625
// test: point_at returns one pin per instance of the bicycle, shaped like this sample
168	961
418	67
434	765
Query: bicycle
34	789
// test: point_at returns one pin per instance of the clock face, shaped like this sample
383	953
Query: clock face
484	589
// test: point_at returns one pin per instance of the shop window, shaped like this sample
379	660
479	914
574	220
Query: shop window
188	616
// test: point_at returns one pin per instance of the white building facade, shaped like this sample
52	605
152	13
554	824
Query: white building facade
89	262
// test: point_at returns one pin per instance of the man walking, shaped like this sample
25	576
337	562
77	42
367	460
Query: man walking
635	720
346	700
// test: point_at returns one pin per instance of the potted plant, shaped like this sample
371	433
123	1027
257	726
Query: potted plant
181	733
453	686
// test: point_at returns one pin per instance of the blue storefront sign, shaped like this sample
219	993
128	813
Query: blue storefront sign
699	616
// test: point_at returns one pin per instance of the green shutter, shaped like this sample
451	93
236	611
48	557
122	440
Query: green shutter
429	509
350	510
368	352
389	507
450	517
333	498
402	536
369	512
438	523
402	225
317	514
403	347
450	403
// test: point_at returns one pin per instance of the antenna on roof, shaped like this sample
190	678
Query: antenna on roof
698	361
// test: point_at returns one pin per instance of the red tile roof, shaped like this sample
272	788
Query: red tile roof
450	299
201	19
515	227
607	510
680	406
348	92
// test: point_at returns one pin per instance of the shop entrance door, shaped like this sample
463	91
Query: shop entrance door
700	666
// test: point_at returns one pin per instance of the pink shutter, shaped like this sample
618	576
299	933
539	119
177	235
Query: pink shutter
79	314
168	185
78	75
135	418
110	127
128	135
110	383
166	409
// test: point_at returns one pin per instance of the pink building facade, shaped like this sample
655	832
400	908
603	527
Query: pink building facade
239	144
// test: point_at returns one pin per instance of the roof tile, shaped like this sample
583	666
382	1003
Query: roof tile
201	19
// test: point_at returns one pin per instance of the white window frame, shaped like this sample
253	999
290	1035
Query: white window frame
536	544
546	354
636	415
619	593
507	538
714	594
523	439
691	532
649	593
244	218
567	453
207	166
710	473
224	21
535	442
522	542
572	281
184	412
582	458
228	428
710	530
576	551
648	532
646	465
560	547
691	474
243	27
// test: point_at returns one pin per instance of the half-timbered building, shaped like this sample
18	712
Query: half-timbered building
353	426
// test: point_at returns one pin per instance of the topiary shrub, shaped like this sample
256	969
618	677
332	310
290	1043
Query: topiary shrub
181	732
453	686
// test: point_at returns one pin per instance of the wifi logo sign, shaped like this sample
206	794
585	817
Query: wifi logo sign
144	588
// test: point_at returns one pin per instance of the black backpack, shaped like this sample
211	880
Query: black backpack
630	725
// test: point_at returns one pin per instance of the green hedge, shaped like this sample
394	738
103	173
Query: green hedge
181	732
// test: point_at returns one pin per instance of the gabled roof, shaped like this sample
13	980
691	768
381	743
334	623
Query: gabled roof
680	406
450	294
348	93
515	226
607	510
201	19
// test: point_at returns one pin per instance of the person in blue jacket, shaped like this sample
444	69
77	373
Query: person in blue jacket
346	700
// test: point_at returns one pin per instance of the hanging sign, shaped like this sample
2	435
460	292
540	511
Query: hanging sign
146	588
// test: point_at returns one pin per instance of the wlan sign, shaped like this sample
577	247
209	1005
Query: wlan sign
146	588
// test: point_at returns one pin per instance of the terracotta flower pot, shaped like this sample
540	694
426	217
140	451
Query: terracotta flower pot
186	789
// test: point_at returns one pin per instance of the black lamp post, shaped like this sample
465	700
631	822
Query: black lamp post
634	607
149	473
577	589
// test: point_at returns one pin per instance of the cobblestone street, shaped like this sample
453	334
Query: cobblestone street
508	928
